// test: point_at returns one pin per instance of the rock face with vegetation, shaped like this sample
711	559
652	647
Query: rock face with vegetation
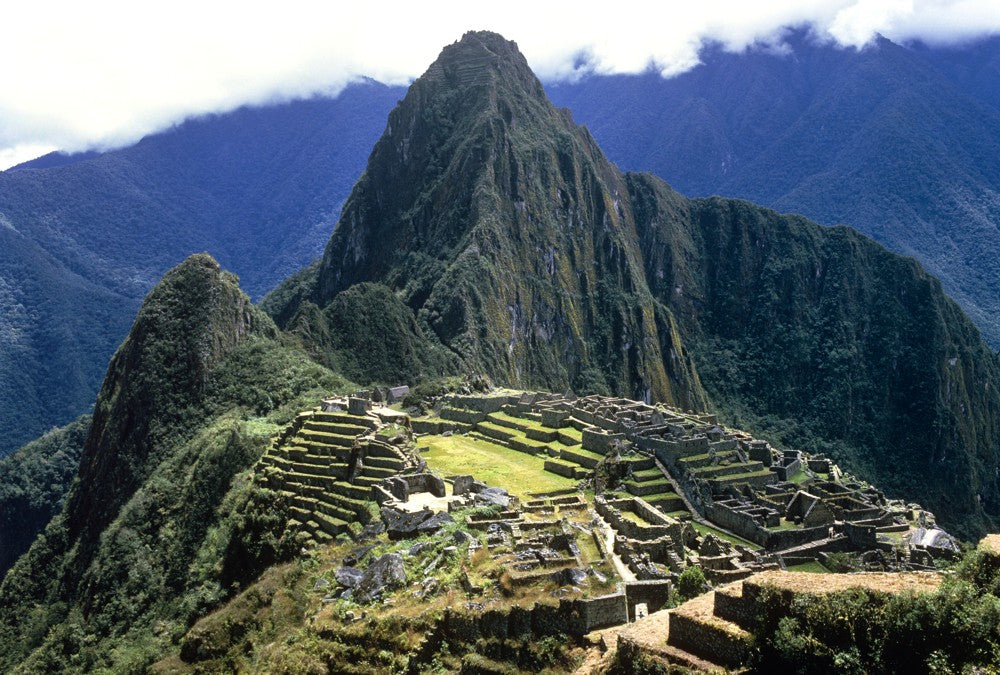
516	245
508	235
160	523
895	140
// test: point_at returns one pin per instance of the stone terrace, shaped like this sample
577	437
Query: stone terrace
327	463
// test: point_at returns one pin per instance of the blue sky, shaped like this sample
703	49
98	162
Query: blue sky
100	74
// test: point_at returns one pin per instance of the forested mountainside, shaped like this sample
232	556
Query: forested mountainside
897	141
160	525
34	481
518	247
84	238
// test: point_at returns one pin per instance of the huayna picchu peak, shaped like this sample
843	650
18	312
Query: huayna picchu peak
527	412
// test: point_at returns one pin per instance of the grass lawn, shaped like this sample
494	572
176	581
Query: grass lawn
799	477
517	472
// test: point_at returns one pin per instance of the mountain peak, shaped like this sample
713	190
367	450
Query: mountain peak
483	57
500	225
189	322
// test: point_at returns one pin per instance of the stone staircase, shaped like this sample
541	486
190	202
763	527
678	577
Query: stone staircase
325	465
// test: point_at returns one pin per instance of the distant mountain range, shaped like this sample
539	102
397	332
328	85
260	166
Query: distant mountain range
901	143
83	238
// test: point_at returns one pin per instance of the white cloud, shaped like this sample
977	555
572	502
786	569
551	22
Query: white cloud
78	75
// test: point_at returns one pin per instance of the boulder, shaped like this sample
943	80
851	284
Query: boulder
463	537
348	577
357	555
384	573
493	495
405	524
569	577
462	485
357	406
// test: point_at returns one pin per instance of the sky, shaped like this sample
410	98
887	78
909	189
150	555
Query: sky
101	74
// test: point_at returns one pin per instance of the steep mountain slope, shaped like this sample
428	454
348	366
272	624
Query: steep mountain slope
498	222
502	227
84	239
898	142
33	485
159	525
828	342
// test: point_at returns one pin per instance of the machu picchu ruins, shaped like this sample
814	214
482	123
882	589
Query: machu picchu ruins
585	509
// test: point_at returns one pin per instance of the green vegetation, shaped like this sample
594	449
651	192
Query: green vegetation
164	522
691	582
493	464
369	335
953	630
33	485
814	566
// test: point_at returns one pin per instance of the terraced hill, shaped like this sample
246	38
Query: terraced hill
326	463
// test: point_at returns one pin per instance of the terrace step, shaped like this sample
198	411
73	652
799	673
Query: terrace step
669	503
345	418
754	478
720	470
378	471
695	629
326	438
495	431
367	481
585	458
561	468
662	486
340	428
392	463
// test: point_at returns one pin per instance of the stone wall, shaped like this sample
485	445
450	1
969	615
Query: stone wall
484	404
655	593
462	415
669	451
744	525
587	614
659	526
707	640
599	441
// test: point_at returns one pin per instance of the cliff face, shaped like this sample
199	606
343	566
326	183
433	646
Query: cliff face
520	249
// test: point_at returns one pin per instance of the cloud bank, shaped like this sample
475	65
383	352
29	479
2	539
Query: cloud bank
100	74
